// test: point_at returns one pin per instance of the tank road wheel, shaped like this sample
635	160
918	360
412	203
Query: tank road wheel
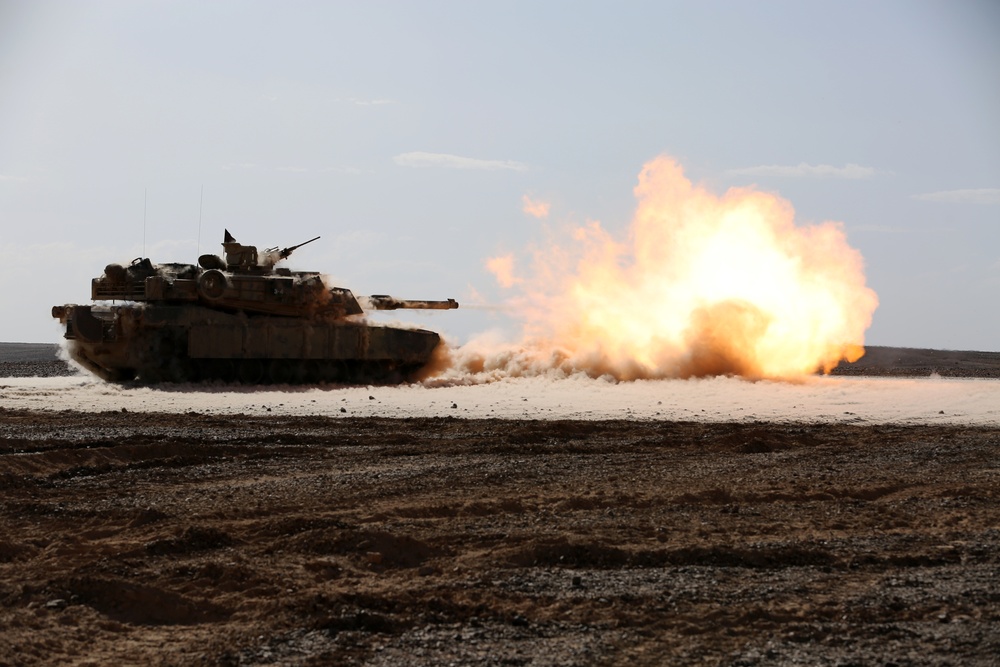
151	375
313	371
220	369
180	370
183	370
194	370
408	371
321	371
344	372
286	371
370	372
212	285
250	371
116	374
164	359
388	373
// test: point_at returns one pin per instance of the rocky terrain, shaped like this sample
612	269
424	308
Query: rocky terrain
181	539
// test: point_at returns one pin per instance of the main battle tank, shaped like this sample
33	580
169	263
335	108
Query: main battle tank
239	319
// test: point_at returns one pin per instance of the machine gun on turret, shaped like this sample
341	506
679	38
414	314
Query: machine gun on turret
285	252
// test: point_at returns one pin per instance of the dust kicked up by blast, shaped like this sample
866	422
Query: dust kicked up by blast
241	318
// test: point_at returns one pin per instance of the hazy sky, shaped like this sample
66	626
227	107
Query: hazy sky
408	133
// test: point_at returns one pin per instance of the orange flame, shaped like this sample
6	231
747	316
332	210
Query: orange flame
702	285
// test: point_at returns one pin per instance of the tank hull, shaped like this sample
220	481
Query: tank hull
189	343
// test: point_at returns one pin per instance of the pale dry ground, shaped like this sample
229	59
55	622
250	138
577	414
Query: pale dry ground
889	385
858	400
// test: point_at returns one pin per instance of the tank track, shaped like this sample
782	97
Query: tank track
274	372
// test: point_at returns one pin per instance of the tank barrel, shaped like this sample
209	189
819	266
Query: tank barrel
386	302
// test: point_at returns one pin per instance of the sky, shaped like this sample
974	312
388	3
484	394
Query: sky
408	135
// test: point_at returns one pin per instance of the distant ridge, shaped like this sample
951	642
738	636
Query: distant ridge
29	351
32	360
915	362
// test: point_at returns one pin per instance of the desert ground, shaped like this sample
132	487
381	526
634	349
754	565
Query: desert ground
231	537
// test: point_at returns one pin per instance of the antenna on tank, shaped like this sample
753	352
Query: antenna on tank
144	222
201	201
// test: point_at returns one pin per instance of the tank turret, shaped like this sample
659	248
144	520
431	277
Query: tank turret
239	318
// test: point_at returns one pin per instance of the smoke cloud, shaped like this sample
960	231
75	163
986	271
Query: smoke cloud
535	208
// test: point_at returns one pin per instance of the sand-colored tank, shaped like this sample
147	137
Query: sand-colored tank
241	318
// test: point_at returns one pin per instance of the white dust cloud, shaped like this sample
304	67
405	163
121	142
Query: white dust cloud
700	285
502	268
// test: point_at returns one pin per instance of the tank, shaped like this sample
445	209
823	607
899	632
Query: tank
239	319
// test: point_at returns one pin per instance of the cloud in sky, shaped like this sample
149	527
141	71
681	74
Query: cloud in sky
502	267
370	103
347	170
849	171
421	159
967	196
250	166
239	165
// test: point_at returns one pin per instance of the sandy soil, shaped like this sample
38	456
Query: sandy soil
253	539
